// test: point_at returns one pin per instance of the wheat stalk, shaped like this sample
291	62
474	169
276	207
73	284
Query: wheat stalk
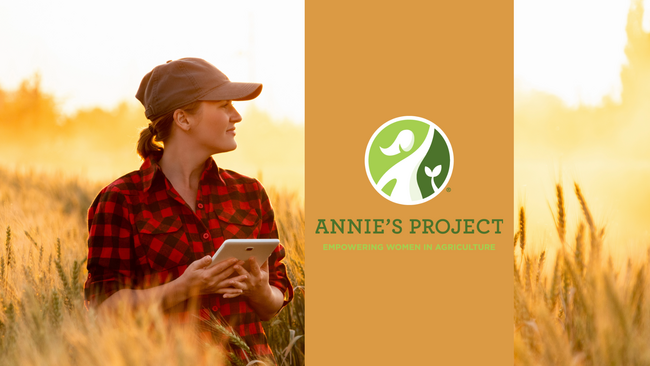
55	309
516	239
522	229
540	265
2	268
58	250
560	225
68	293
10	256
234	338
31	239
527	280
554	290
579	252
595	242
585	209
637	297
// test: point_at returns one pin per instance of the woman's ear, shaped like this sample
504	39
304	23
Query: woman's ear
181	120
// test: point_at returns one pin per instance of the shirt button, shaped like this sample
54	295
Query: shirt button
206	236
215	308
200	205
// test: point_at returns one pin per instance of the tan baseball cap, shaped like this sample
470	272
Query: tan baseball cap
177	83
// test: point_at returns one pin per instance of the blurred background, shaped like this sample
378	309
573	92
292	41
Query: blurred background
582	114
70	69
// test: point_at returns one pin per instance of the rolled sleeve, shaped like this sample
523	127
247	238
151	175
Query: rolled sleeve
277	270
110	247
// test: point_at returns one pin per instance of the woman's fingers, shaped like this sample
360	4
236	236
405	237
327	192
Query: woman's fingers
236	282
223	265
229	293
240	285
255	268
233	287
201	263
241	270
219	277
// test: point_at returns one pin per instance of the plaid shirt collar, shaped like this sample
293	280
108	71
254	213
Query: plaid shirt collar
150	170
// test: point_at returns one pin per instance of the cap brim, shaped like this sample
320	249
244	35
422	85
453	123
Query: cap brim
234	91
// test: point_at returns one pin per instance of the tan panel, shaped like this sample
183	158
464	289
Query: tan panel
367	63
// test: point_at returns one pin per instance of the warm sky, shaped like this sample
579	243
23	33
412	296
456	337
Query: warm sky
95	53
92	53
572	48
575	49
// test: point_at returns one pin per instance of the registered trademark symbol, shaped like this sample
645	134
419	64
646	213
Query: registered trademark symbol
448	189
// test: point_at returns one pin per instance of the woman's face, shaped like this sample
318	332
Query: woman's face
214	126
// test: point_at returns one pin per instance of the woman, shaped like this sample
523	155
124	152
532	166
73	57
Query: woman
152	232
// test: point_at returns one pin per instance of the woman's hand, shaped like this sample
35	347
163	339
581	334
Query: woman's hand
200	279
265	299
256	281
197	279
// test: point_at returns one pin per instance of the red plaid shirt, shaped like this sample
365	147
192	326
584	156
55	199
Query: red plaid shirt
142	233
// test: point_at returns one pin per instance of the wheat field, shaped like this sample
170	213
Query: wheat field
42	269
582	308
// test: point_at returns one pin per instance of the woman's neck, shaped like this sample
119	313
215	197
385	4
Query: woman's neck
183	167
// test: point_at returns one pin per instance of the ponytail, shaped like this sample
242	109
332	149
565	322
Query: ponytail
146	144
150	137
159	131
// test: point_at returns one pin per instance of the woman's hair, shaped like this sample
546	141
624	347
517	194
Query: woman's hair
159	131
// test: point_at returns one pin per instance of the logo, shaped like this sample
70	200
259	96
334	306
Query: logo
409	160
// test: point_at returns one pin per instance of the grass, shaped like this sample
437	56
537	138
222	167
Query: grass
42	269
582	309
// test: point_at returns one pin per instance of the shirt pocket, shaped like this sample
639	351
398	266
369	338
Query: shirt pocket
238	223
164	242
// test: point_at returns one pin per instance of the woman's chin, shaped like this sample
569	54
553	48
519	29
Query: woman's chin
223	149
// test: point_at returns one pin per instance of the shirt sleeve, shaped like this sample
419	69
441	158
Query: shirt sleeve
277	270
110	247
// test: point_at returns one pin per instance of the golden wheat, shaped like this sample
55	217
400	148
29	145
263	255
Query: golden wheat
43	320
590	314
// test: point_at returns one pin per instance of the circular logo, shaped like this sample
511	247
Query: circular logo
409	160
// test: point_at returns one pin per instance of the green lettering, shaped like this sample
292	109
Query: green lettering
336	225
458	228
498	221
467	226
413	227
478	226
428	225
378	226
321	225
397	223
438	228
352	225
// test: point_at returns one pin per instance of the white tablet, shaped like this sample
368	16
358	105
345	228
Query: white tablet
243	249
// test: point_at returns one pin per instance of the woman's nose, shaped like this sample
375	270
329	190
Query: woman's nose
235	116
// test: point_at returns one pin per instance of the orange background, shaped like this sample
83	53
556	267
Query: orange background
448	62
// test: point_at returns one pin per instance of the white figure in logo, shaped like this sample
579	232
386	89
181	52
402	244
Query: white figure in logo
405	172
